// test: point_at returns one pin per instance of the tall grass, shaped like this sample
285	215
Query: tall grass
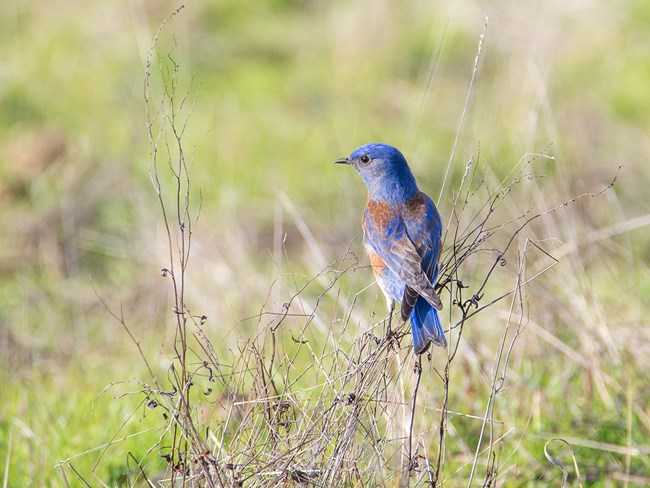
318	395
544	381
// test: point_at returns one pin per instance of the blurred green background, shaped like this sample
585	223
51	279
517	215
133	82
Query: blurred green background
284	88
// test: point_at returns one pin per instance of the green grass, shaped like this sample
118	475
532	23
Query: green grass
284	88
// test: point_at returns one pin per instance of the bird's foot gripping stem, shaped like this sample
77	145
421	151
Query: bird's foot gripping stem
391	336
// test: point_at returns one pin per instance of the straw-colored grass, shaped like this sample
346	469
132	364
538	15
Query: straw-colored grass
266	363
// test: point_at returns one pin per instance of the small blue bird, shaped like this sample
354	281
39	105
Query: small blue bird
401	233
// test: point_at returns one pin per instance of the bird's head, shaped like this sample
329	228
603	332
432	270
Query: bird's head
384	170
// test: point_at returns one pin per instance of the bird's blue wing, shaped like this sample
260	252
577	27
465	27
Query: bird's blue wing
424	229
387	233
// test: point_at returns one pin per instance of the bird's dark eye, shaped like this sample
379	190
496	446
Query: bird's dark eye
365	159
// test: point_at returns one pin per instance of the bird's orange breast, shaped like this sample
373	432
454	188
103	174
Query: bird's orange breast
376	263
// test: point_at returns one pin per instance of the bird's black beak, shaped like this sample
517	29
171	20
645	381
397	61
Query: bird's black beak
343	161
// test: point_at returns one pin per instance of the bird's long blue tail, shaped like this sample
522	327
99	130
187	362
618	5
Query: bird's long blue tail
426	327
